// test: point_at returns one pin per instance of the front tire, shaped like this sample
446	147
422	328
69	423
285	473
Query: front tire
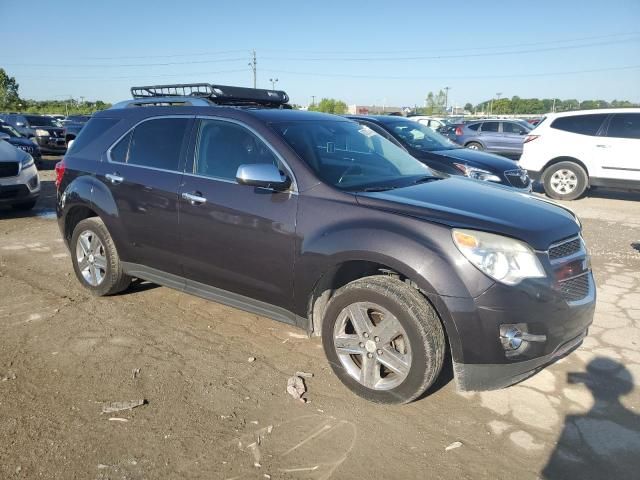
565	181
95	259
383	339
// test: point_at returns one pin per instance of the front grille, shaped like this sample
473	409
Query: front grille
517	178
575	289
14	191
9	169
565	249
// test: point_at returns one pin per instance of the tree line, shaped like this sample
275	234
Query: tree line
10	101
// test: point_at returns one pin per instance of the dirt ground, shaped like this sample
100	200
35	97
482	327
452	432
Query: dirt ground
211	413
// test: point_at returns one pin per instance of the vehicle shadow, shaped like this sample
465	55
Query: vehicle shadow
137	286
605	441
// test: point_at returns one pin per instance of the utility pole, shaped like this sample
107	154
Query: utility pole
498	95
446	99
254	64
313	100
553	109
273	83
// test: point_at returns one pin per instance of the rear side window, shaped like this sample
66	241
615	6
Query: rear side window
582	124
92	130
155	143
509	127
489	127
624	125
473	126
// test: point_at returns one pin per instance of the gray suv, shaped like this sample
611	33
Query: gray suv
504	137
319	222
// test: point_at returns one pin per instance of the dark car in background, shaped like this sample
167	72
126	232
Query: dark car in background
45	130
441	154
12	136
504	137
82	119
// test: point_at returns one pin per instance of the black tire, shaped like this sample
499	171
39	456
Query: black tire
474	146
550	181
24	206
114	280
417	317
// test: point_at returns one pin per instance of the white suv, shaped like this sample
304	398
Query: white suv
572	151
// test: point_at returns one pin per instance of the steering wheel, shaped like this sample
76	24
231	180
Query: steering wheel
346	172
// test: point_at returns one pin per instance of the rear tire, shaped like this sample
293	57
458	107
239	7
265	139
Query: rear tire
24	206
474	146
396	352
565	181
95	259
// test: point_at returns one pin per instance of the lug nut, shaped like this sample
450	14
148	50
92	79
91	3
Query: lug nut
365	335
369	355
377	339
379	352
361	345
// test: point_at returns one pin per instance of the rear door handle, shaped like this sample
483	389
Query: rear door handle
195	198
114	178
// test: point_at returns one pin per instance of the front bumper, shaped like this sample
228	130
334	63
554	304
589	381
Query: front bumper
52	145
482	362
23	188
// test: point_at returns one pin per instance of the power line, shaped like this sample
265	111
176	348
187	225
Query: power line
451	77
140	75
110	65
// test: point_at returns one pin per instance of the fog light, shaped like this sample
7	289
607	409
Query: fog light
511	339
515	338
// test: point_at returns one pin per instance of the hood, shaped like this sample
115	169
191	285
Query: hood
9	153
460	202
473	158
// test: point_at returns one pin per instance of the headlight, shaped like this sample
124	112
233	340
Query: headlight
41	133
27	162
477	173
502	258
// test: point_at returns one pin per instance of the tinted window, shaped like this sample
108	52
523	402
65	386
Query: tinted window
91	131
473	126
583	124
120	152
624	125
510	127
224	146
417	135
489	127
157	143
37	121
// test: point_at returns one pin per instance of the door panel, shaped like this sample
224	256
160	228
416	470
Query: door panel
240	238
618	152
143	174
512	138
490	136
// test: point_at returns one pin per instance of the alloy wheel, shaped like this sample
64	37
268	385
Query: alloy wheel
91	257
564	181
372	346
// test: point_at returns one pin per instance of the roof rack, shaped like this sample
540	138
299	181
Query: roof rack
217	94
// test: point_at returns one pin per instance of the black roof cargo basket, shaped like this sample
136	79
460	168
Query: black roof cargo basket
218	94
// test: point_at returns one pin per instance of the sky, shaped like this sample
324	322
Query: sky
362	52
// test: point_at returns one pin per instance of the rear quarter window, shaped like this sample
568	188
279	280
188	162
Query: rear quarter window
582	124
473	126
92	130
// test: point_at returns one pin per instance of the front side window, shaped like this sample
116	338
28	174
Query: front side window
223	146
155	143
624	125
583	124
512	127
351	156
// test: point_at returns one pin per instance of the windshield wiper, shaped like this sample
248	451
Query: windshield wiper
381	188
429	178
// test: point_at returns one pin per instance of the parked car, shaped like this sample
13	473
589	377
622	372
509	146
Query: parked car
319	222
439	153
43	129
504	137
76	119
572	151
12	136
19	182
433	123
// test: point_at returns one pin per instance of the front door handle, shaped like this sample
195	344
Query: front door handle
114	178
195	198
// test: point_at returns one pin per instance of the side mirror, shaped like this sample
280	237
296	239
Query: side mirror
263	175
4	136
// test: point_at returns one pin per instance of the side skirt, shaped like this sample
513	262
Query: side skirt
215	294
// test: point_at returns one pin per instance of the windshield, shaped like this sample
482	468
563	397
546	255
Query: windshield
36	121
350	156
9	130
419	136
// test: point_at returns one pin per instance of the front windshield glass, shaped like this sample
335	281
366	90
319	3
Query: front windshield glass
419	136
36	121
9	130
350	156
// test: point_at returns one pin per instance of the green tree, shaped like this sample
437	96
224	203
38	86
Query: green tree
330	105
468	107
8	90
